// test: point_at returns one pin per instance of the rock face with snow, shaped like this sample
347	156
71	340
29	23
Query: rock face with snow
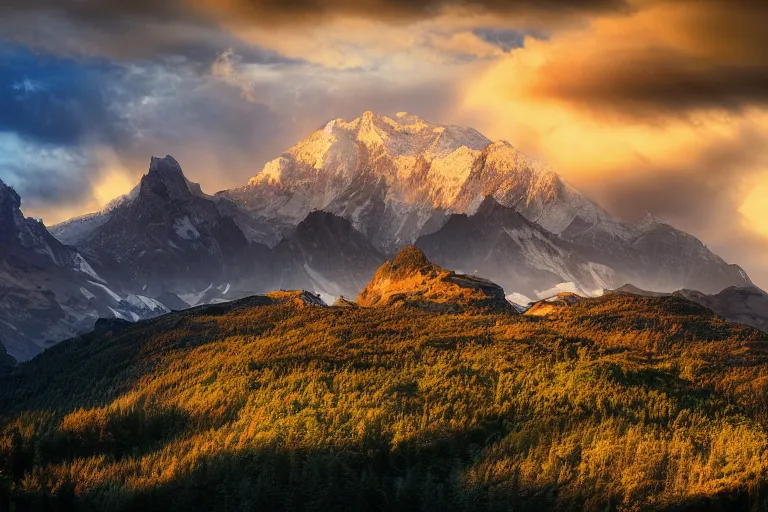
387	176
396	179
412	280
168	237
327	255
501	244
50	291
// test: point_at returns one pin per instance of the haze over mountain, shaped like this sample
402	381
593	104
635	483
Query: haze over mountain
325	214
748	305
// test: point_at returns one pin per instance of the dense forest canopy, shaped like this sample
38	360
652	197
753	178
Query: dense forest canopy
614	403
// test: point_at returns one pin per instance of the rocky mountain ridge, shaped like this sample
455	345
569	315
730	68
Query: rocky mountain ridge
744	305
328	212
50	291
411	279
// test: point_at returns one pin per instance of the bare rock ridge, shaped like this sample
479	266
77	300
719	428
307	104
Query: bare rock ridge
412	280
744	305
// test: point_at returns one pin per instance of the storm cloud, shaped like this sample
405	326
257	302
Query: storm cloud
668	57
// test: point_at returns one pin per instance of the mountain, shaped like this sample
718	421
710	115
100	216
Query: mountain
50	291
746	305
168	237
501	244
382	183
327	255
393	178
668	259
398	179
412	280
279	403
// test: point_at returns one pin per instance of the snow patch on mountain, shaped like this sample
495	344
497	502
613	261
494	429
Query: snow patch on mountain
112	294
84	267
119	315
87	294
569	287
185	229
194	298
519	300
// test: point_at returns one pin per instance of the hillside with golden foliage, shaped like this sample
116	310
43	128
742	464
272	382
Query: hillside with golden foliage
275	403
410	279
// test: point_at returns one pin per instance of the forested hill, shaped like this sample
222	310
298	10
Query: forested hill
276	403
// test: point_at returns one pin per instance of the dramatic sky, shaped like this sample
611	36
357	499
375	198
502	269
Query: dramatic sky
644	105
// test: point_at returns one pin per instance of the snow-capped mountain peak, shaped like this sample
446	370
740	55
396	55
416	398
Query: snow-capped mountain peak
390	175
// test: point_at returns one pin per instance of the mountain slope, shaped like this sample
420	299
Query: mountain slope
747	306
274	403
668	259
73	231
169	238
502	245
49	291
327	255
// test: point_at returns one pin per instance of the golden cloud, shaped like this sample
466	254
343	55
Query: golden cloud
652	110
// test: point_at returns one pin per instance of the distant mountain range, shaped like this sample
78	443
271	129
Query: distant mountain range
323	217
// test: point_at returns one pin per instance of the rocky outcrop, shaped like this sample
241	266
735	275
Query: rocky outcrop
412	280
554	304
